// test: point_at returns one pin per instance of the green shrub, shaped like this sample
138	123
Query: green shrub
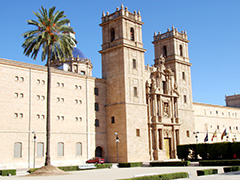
228	162
162	176
32	170
232	168
100	166
207	172
131	164
170	163
69	168
6	172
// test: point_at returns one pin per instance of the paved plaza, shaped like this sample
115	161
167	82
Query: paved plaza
121	173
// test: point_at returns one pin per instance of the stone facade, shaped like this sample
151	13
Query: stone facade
134	113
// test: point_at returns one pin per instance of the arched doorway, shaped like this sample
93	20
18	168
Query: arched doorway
99	152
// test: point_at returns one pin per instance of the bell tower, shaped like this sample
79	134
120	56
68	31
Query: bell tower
123	69
173	46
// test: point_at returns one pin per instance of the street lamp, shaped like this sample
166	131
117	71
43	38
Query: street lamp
34	147
196	136
117	141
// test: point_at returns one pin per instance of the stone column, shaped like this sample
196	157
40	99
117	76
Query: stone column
173	151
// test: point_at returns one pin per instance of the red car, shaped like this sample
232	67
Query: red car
96	160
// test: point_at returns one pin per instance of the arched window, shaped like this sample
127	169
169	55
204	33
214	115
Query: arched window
78	148
17	149
164	51
112	32
181	50
60	149
40	149
132	34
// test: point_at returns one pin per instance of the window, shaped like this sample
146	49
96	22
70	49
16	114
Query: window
96	107
62	99
38	116
177	136
134	64
38	81
40	149
82	72
76	118
43	82
17	150
185	98
43	97
78	149
38	97
76	86
80	118
236	127
16	78
112	34
132	34
138	132
15	115
62	84
58	99
16	95
164	87
187	133
58	84
112	119
76	101
43	116
181	50
164	51
58	117
217	126
183	75
62	117
75	68
80	102
60	149
21	115
230	128
96	91
216	112
22	79
160	138
135	91
96	122
21	95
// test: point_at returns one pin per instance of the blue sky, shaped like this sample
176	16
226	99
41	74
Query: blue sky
213	28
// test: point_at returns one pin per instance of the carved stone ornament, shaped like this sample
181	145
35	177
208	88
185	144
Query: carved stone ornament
167	133
165	109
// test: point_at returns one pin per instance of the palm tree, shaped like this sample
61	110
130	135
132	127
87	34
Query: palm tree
53	36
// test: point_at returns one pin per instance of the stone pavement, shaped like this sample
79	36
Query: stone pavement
121	173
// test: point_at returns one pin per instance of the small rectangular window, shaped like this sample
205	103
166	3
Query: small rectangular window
112	119
134	64
185	98
135	91
96	107
96	91
96	122
164	87
187	133
138	132
183	75
82	72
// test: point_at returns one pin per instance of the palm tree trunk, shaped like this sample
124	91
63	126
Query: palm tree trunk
48	123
